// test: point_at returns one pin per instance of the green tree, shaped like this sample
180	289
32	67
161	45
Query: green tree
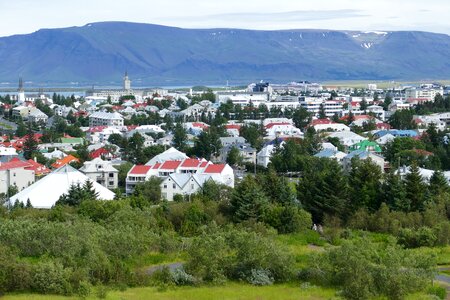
301	118
438	184
403	119
179	137
207	143
365	183
248	200
253	134
393	192
149	190
21	130
322	114
416	189
234	157
134	149
30	144
323	189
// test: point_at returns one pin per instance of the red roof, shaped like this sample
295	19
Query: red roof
190	163
214	169
99	153
233	126
156	166
13	164
270	125
204	164
97	129
38	168
320	121
170	165
140	170
201	125
383	126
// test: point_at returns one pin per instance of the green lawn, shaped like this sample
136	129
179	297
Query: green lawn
229	291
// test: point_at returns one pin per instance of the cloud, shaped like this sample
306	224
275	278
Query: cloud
285	17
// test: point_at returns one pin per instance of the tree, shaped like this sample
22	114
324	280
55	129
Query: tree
403	119
78	193
253	134
134	149
248	201
438	184
30	144
21	130
301	118
179	137
234	157
149	190
387	102
363	105
207	143
365	184
323	189
393	192
322	114
277	188
415	189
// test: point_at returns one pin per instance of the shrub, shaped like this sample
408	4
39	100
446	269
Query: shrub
180	277
260	277
51	278
365	269
438	291
423	237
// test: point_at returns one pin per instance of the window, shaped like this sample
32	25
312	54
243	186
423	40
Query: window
192	186
111	175
174	186
111	183
165	186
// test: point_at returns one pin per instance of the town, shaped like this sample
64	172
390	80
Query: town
172	187
186	138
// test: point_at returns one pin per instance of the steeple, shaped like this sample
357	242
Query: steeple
20	89
126	82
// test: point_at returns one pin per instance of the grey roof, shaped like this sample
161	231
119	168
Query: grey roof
106	115
97	165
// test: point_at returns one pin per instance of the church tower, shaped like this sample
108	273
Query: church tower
126	82
20	92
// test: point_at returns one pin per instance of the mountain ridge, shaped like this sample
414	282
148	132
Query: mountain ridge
157	54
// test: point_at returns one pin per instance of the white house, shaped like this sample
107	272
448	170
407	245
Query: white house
105	119
45	192
347	138
141	173
102	172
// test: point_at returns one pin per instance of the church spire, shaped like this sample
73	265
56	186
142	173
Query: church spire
20	89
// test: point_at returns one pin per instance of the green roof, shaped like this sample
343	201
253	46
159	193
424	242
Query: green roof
72	140
366	146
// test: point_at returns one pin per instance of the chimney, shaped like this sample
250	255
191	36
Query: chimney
35	159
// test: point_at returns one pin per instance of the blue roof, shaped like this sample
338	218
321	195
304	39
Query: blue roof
396	133
358	153
326	153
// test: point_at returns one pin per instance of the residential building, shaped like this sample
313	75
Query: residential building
15	173
65	161
102	172
362	155
139	173
46	192
105	119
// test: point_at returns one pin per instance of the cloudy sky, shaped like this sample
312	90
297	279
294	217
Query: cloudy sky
26	16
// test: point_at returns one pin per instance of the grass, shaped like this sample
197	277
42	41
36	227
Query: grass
302	245
156	258
230	291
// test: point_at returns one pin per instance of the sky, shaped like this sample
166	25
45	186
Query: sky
26	16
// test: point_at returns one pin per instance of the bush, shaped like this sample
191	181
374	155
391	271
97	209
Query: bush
365	269
423	237
438	291
260	277
180	277
51	278
236	254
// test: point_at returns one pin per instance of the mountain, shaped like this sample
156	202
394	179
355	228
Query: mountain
101	52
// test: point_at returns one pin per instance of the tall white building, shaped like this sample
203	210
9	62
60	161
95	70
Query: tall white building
20	92
126	82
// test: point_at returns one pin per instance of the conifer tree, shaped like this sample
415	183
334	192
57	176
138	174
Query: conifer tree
416	189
